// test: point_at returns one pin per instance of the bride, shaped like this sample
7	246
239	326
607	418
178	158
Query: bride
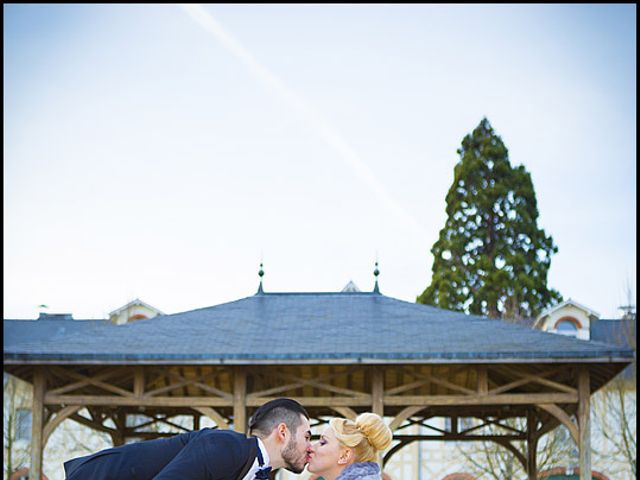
347	449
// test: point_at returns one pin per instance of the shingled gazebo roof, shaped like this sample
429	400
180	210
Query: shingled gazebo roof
344	327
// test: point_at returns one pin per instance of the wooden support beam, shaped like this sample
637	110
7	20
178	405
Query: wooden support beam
176	380
61	415
561	415
91	423
82	380
483	380
509	446
504	426
37	424
117	438
377	398
377	391
155	419
108	400
138	381
462	438
239	400
318	401
346	412
584	447
322	383
539	379
404	415
458	400
547	426
440	380
402	401
393	450
221	422
118	435
532	445
96	381
169	401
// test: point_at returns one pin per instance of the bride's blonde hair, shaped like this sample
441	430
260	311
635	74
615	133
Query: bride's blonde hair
367	435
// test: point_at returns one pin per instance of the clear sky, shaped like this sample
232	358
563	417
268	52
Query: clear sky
162	152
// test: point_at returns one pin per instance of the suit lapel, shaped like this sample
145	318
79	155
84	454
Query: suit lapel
253	451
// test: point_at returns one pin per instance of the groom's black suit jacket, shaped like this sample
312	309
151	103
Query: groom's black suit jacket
205	454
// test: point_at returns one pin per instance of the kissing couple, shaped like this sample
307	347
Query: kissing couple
279	437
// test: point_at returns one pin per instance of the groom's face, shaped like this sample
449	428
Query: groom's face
296	451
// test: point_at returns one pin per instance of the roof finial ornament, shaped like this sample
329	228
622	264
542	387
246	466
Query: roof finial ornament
260	274
376	272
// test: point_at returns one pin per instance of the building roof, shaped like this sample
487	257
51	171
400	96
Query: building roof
615	332
49	327
343	327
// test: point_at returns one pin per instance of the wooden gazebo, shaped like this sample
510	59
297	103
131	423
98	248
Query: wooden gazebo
337	353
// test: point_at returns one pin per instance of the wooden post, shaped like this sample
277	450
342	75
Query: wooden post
453	419
377	397
138	381
483	380
584	424
532	446
377	391
120	421
117	439
196	422
239	400
37	424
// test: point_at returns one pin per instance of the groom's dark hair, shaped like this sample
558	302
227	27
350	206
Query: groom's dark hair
280	410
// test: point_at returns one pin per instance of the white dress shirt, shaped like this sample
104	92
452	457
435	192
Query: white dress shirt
251	474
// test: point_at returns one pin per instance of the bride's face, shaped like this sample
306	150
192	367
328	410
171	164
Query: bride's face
325	453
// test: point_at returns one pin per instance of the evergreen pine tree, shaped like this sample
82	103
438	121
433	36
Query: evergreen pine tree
491	258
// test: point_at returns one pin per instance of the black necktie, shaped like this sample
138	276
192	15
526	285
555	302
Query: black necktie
263	473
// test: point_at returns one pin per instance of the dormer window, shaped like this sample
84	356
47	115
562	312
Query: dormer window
568	326
137	316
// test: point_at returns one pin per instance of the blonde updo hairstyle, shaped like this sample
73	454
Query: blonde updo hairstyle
367	435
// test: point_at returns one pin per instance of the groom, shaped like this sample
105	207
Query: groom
280	438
